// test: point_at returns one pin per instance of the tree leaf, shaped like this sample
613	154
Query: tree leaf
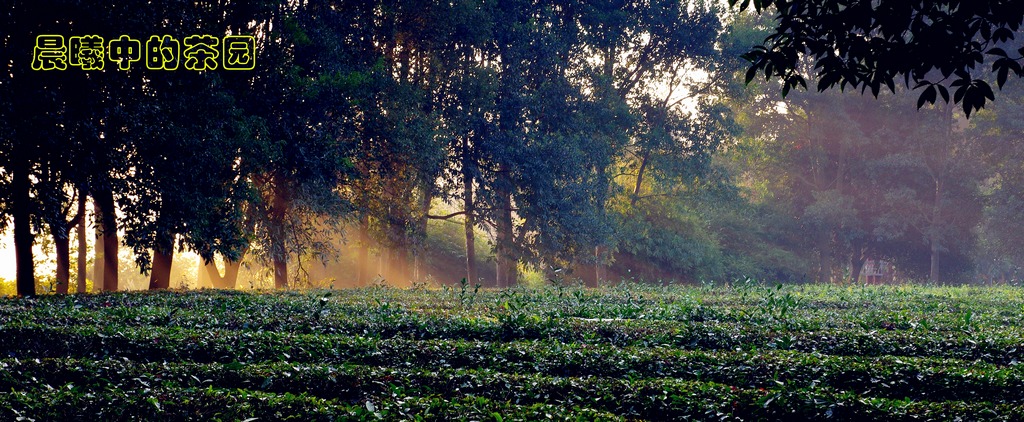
928	96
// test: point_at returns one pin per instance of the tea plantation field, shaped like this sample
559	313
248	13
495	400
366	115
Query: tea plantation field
741	352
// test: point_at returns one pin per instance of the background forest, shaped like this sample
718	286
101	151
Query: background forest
497	142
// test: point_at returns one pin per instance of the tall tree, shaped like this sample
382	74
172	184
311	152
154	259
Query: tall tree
936	193
187	185
43	128
872	179
998	131
648	53
302	99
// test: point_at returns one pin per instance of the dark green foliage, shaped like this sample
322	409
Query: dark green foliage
741	352
938	45
162	145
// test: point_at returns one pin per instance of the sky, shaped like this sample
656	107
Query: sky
45	264
7	270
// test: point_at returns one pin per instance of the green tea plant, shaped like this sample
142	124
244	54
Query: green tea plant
636	352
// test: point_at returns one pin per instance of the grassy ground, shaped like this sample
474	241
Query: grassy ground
740	352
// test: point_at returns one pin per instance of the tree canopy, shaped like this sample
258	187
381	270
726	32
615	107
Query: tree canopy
934	45
525	113
590	140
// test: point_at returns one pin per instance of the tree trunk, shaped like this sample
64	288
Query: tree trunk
60	231
110	262
23	239
417	264
639	181
471	276
82	247
824	257
396	271
593	273
228	281
160	275
203	279
506	262
501	273
470	233
97	248
279	208
280	272
470	207
934	238
163	257
419	254
105	200
363	270
61	244
856	266
399	220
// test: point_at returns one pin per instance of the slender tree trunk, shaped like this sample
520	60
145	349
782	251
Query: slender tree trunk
98	259
501	271
856	266
61	233
105	199
506	262
824	257
417	264
363	269
594	279
818	165
396	271
279	249
592	274
23	238
419	253
82	247
471	275
398	220
934	238
639	181
933	267
470	207
470	233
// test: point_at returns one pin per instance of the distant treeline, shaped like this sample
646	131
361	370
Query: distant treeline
589	140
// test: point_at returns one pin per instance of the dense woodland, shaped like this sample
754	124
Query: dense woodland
597	141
